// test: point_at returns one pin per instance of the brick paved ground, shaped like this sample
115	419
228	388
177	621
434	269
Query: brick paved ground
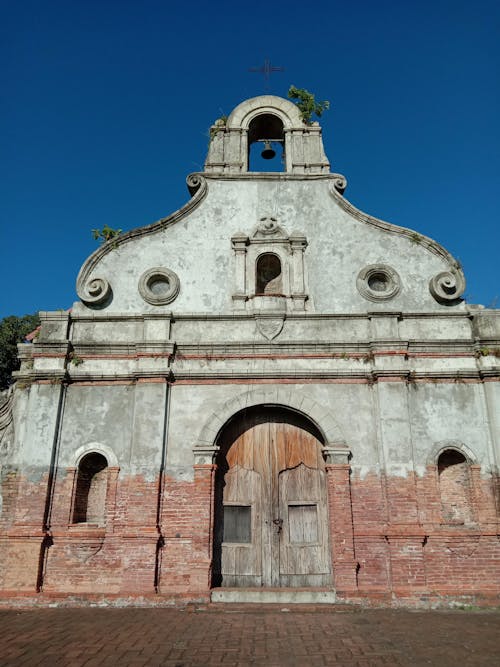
267	636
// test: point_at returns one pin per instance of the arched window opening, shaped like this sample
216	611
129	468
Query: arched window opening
91	489
269	278
266	144
454	487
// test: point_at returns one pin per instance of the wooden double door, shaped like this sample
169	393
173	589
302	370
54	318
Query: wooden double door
271	514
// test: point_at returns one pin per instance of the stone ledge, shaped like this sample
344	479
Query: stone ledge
274	595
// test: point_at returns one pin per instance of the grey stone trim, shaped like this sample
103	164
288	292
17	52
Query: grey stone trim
146	347
280	395
102	316
93	292
369	376
52	375
441	446
288	112
167	372
98	448
170	278
297	348
339	181
336	454
204	455
324	315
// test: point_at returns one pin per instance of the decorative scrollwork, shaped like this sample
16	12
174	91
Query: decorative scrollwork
448	286
194	182
6	405
95	291
339	182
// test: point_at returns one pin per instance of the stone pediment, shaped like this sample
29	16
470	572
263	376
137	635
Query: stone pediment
350	263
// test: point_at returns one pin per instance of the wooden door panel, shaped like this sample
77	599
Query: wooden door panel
303	524
304	554
241	558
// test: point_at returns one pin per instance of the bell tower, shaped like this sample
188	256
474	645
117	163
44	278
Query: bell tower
272	121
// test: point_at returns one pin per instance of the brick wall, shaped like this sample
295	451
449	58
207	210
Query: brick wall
390	536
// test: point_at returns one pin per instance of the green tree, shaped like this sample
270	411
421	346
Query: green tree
13	330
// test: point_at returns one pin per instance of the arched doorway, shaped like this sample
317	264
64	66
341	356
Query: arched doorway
271	515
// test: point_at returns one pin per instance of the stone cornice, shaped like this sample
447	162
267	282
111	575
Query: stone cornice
451	348
288	376
339	181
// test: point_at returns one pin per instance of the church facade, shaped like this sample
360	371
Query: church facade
268	390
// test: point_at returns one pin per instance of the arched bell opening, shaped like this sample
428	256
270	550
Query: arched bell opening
266	144
271	517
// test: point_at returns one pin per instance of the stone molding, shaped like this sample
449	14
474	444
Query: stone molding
287	111
282	396
335	455
338	181
166	275
439	447
98	448
372	270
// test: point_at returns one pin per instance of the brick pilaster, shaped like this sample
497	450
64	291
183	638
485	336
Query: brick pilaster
341	526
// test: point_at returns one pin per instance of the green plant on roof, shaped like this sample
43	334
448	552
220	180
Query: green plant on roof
307	104
105	234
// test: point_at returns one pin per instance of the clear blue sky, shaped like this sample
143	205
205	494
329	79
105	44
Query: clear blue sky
106	106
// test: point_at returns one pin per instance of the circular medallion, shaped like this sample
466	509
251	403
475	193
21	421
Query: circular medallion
378	282
159	286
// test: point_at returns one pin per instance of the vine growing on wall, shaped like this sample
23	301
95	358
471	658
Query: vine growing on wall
306	103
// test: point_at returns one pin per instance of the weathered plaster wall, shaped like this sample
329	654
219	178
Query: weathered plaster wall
198	249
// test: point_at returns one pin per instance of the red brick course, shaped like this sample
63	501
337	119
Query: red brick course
390	540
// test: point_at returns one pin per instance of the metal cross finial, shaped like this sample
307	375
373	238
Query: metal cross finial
266	70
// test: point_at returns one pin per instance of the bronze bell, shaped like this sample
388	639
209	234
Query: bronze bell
268	153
